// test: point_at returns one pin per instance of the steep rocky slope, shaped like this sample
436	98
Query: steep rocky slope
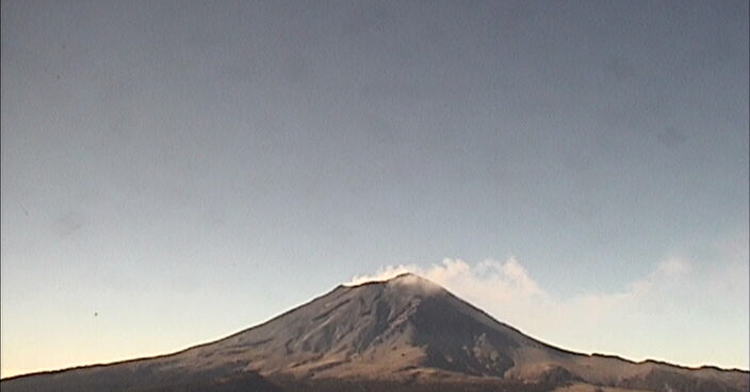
402	334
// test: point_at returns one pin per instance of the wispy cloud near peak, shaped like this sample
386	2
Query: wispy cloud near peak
606	321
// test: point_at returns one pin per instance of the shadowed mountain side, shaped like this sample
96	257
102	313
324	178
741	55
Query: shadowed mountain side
406	334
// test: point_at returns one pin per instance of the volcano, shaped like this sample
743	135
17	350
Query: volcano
403	334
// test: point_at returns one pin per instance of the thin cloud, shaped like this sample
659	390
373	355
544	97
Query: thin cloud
621	321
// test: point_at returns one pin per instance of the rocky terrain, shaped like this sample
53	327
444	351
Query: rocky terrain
404	334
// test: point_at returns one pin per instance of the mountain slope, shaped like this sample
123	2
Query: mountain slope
403	334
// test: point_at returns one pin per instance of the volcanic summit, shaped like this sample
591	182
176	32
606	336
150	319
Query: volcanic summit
402	334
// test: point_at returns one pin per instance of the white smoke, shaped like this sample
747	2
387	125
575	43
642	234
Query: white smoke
655	306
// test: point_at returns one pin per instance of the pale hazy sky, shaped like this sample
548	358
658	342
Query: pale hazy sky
188	169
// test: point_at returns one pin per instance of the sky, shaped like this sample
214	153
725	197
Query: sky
176	171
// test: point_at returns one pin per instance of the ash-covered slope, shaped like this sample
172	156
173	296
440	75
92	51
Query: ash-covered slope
402	334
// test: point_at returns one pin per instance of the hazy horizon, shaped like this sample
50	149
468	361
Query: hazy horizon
175	171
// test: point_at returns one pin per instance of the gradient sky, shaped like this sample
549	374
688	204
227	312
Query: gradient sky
174	171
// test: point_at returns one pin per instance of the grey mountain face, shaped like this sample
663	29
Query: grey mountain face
404	334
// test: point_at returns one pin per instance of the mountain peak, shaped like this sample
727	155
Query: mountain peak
402	277
404	333
412	280
404	283
406	275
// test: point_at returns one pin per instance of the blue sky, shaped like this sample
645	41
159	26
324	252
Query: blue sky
187	169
